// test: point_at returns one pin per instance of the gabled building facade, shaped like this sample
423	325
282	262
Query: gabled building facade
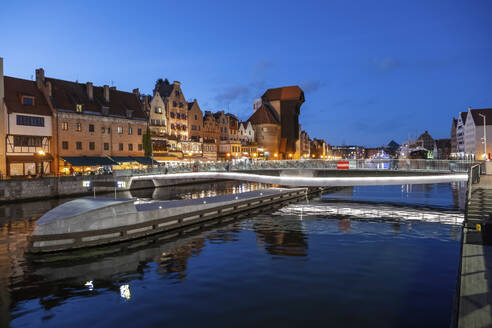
28	121
92	121
176	108
195	121
246	132
477	121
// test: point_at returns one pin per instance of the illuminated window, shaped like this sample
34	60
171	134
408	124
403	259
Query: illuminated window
120	130
130	130
158	110
64	126
79	127
78	108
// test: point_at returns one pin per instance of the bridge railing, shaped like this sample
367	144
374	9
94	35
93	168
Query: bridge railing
362	164
474	173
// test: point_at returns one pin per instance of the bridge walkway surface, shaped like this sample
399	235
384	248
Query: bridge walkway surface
475	280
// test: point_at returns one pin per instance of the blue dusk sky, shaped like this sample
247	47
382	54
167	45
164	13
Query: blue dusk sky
371	71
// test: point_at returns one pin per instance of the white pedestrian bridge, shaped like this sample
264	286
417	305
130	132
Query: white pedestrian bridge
300	178
309	173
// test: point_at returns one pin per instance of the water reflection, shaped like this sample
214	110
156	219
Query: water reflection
443	195
180	278
281	237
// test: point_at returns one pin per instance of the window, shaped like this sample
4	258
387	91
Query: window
79	127
176	93
184	127
27	141
121	147
78	108
27	101
106	146
158	122
181	105
103	129
183	116
178	126
158	110
152	122
91	127
64	144
178	115
196	117
109	130
172	114
175	104
130	130
140	147
130	147
78	145
64	126
92	145
193	127
139	131
120	130
30	120
172	126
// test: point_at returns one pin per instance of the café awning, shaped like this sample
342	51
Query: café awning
123	159
144	160
88	160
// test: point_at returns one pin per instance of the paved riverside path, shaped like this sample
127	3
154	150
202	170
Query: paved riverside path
475	291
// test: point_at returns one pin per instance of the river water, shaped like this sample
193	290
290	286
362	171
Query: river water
295	267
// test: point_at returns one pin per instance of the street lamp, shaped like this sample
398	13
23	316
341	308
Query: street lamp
484	137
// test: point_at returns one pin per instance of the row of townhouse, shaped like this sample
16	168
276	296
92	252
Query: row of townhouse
52	126
469	134
180	129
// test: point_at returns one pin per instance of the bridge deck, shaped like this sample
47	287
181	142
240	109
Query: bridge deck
475	297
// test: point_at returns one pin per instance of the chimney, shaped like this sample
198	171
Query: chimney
177	83
136	92
49	89
112	88
40	78
90	90
106	93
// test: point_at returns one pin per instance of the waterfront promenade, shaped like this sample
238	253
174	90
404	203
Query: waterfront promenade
475	287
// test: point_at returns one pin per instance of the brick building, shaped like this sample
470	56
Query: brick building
195	121
176	108
94	122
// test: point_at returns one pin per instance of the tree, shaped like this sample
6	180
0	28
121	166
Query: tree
160	82
147	143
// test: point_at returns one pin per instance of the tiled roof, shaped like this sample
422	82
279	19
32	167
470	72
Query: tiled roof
487	112
15	88
66	95
284	93
264	115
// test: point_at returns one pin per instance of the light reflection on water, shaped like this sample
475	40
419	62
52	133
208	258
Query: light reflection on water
267	270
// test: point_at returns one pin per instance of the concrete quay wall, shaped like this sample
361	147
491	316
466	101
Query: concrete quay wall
46	188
